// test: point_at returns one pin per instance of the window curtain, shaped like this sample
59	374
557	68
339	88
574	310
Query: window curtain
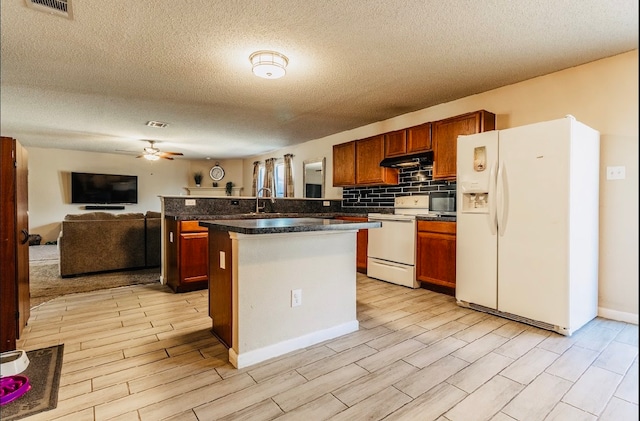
254	182
269	177
288	175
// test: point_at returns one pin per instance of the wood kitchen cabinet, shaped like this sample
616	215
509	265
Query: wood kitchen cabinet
220	286
362	243
344	164
436	253
357	163
445	137
369	153
187	255
395	143
419	138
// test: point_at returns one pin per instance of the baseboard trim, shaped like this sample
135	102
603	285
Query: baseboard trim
258	355
620	316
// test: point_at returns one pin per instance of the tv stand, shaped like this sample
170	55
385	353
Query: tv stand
104	207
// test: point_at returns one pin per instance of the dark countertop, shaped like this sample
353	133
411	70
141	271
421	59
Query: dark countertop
284	225
261	215
442	218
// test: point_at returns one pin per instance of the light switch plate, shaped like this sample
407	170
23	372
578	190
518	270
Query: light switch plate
190	202
326	203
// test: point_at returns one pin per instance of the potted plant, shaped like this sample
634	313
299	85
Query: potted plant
197	177
228	188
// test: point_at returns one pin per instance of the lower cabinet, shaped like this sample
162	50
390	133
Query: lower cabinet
361	245
436	253
187	255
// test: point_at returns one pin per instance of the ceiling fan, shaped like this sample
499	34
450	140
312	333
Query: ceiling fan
153	154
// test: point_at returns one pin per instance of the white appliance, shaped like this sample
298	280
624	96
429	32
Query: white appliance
527	223
391	249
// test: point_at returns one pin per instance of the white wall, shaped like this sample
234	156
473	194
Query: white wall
603	95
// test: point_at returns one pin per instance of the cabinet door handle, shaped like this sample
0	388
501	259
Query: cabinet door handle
25	236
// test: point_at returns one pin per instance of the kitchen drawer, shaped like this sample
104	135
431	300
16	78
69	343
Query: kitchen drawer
191	226
437	226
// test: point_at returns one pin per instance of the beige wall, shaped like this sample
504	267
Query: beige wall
603	95
50	185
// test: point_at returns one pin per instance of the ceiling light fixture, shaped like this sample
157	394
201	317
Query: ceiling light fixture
151	157
268	64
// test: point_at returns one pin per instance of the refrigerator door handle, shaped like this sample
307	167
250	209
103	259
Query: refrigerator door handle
492	199
503	199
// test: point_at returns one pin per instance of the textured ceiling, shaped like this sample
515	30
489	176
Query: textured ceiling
93	81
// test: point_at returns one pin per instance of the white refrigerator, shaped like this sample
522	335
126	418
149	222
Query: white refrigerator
527	223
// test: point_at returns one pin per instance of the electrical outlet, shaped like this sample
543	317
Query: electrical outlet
616	173
326	203
296	297
190	202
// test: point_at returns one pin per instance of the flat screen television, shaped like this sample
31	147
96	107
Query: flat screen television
102	189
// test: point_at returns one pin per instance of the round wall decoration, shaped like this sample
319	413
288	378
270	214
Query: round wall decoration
216	173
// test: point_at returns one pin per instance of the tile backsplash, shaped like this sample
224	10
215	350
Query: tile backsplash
417	180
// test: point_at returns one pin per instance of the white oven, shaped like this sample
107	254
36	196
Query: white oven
391	249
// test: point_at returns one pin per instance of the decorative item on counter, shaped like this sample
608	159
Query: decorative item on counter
197	177
229	188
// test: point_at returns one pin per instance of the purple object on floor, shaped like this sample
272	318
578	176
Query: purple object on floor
12	387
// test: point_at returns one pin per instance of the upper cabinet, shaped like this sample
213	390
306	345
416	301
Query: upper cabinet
344	164
369	153
419	138
395	143
357	163
445	137
408	141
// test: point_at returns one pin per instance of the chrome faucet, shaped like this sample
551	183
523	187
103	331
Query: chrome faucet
258	207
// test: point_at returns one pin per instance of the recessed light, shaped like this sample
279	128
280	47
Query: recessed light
158	124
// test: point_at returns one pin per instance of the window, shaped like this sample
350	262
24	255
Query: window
278	175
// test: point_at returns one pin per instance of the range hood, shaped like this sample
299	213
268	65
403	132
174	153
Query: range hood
405	161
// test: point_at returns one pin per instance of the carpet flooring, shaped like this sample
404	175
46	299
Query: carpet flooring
43	373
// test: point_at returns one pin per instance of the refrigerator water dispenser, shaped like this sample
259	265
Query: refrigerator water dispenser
475	202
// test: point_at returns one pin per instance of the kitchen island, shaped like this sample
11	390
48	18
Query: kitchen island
281	284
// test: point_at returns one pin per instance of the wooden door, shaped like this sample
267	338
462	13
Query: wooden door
419	138
436	253
14	243
369	153
194	257
445	139
344	164
395	143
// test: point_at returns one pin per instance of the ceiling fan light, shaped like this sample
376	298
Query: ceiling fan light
268	64
151	157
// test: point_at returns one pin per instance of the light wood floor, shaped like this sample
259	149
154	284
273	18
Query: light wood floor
144	353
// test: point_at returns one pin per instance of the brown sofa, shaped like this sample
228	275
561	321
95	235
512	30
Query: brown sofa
102	241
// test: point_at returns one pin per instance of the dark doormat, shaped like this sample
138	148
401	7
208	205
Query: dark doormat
43	373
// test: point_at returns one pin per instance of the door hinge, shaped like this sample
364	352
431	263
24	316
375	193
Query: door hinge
17	315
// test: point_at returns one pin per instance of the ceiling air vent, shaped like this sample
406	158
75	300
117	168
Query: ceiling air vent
158	124
54	7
